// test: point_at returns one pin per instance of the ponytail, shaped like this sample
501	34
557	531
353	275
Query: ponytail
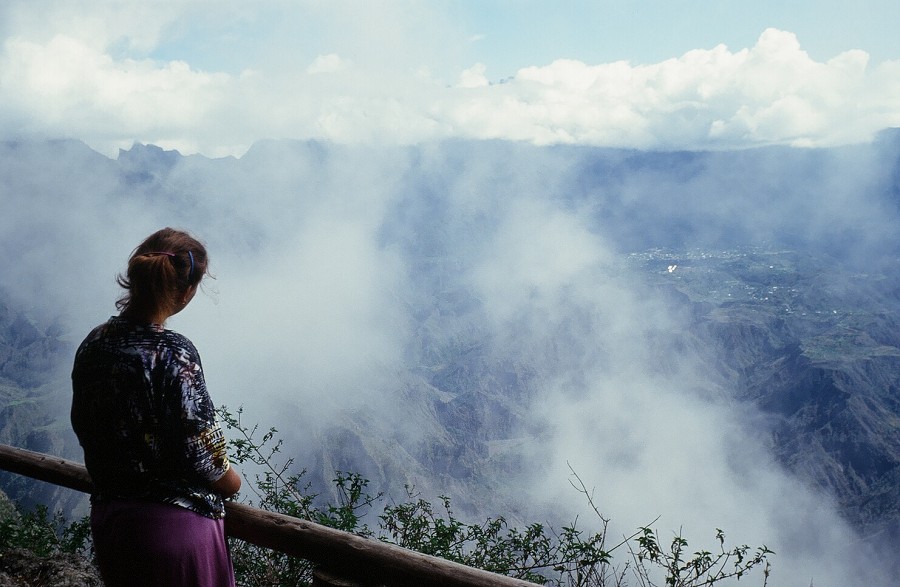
160	271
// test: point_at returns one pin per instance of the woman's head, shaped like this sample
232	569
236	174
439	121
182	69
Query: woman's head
162	271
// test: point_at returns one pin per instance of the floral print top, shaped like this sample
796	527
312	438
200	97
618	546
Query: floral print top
143	416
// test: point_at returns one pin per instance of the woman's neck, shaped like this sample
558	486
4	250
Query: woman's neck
159	315
145	317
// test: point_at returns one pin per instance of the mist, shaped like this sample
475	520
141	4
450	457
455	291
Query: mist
349	280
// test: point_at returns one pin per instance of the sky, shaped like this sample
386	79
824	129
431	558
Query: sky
213	78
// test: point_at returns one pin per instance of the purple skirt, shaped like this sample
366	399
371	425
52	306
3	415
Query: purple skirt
145	544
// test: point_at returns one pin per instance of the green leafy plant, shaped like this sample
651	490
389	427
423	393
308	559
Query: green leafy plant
276	488
701	568
561	557
37	548
568	556
44	534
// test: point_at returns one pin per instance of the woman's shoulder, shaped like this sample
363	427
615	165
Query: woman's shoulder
176	338
181	345
118	332
99	335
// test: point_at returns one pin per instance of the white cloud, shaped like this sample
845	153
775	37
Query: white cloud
771	93
330	63
473	77
620	404
97	23
68	88
71	79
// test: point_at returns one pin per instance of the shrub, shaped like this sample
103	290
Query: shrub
567	556
40	549
44	534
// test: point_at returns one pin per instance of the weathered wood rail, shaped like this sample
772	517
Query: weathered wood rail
341	558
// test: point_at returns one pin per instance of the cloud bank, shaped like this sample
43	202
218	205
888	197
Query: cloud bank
381	306
89	74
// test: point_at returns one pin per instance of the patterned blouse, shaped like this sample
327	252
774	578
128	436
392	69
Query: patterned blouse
143	416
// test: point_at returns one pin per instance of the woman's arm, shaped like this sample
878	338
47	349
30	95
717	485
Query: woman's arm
205	443
228	484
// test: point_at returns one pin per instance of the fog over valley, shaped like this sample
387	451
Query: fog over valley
706	337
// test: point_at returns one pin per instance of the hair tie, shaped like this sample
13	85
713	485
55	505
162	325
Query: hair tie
191	272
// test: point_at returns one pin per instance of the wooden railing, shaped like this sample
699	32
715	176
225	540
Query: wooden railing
341	558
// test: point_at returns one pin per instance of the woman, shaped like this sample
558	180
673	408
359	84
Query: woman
151	442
